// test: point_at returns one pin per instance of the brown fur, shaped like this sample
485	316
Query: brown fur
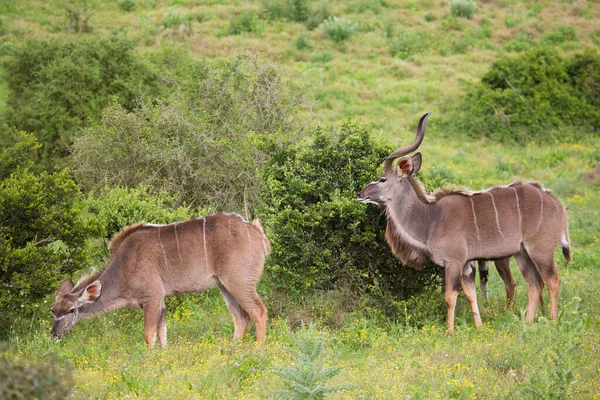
152	262
123	234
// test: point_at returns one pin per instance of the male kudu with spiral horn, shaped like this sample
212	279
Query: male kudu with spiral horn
151	262
450	228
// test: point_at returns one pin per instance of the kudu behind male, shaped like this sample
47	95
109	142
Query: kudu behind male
450	228
151	262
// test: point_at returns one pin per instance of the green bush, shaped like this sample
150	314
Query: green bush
118	207
247	21
127	5
43	234
321	236
463	8
405	44
561	35
175	17
57	87
338	29
47	379
201	149
302	11
533	95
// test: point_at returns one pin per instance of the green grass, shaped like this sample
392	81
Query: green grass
411	355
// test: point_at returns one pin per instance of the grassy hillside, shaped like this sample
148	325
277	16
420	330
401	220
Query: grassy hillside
404	58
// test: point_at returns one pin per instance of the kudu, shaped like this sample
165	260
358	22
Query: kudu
150	262
450	228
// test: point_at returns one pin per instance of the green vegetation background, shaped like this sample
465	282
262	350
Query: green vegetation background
293	104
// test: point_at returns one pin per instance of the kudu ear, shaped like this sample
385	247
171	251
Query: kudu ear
65	286
409	165
91	293
416	159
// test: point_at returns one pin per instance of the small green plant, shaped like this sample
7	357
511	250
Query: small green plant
309	376
405	44
560	36
338	29
430	17
247	21
302	44
126	5
317	15
463	8
322	57
42	380
175	17
78	20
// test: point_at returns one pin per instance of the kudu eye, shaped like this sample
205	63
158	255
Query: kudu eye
382	180
71	311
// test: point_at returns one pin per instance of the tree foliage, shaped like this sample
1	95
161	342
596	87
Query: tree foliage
57	87
42	232
203	149
321	236
531	95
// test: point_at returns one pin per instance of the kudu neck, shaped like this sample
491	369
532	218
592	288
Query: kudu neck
111	296
412	211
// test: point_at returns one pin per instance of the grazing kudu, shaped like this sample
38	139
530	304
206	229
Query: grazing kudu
150	262
450	228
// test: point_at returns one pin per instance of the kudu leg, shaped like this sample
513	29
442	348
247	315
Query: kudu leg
162	325
534	283
152	317
468	285
452	278
240	316
247	297
546	266
503	267
483	277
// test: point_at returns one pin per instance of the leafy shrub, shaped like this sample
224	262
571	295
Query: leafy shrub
338	29
201	149
176	17
118	207
302	44
560	36
126	5
247	21
323	57
463	8
78	19
302	11
42	232
321	236
43	380
530	96
363	6
79	77
405	44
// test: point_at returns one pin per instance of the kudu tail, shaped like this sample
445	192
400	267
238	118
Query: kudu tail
266	243
566	241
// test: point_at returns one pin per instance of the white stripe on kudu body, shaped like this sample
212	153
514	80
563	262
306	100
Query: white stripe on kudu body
539	191
518	209
162	247
177	240
441	223
204	238
496	212
474	217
